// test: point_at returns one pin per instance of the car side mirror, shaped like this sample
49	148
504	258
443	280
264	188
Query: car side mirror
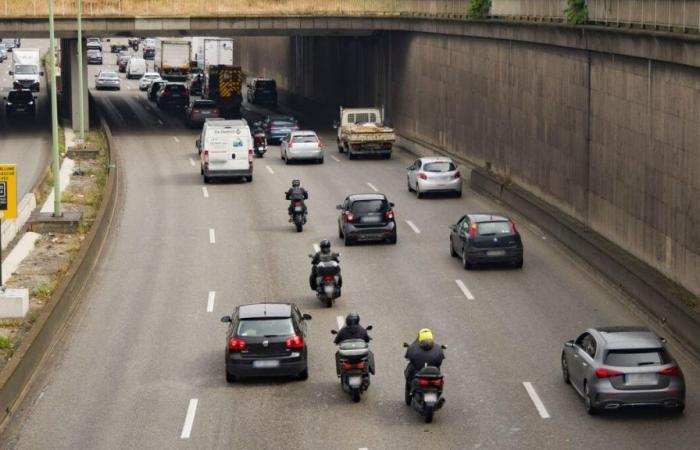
41	74
334	332
339	207
369	327
198	143
10	72
226	319
335	124
569	344
306	316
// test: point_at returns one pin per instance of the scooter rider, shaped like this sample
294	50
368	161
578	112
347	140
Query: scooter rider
324	254
352	330
296	192
423	351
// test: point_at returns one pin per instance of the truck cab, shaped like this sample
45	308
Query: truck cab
26	72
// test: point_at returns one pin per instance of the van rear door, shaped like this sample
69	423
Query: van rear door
228	148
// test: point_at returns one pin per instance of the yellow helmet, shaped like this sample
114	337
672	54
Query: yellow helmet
425	334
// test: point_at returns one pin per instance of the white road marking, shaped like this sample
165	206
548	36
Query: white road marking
160	122
192	163
269	169
205	192
413	226
464	290
189	419
536	400
317	248
340	320
128	87
334	158
176	139
371	186
212	236
210	301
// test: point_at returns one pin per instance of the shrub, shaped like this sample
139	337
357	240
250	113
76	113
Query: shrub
479	8
576	12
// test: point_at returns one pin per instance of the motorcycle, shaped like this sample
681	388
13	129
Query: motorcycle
327	281
424	392
259	142
353	357
298	214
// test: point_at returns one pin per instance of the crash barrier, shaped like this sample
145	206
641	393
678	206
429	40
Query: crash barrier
673	15
16	376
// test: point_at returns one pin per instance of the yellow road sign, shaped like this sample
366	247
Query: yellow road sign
8	191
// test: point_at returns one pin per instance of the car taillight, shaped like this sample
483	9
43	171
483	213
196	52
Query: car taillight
673	371
236	344
473	230
165	94
513	228
607	373
206	157
320	144
296	342
349	216
289	145
457	175
390	215
196	111
422	176
250	156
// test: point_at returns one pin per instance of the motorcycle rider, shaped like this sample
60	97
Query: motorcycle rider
324	254
423	351
296	192
352	330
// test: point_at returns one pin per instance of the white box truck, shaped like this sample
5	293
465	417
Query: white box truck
174	60
26	69
212	51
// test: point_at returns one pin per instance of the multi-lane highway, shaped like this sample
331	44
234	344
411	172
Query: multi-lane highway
142	363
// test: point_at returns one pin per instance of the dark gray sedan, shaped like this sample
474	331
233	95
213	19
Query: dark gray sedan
615	367
486	238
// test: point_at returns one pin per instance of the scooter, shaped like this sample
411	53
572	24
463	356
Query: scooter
327	281
298	215
353	358
259	142
424	392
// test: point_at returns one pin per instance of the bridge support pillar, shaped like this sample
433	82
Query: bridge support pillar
69	76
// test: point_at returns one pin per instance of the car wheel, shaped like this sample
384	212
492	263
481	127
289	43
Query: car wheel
465	261
565	369
320	161
250	179
518	263
419	194
680	408
230	378
207	180
393	239
347	240
286	159
408	184
587	401
453	253
304	375
459	194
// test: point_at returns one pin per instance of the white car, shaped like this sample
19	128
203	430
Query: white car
301	145
434	174
147	79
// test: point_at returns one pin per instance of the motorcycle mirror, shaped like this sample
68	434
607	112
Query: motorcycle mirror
338	206
369	327
569	343
306	316
405	345
311	256
444	347
334	332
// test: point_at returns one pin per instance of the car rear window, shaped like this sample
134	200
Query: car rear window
176	88
16	96
109	75
368	206
305	139
266	84
265	327
282	124
446	166
636	358
490	228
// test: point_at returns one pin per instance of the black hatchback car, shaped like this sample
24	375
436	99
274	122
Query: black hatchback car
173	95
366	217
266	339
486	238
20	102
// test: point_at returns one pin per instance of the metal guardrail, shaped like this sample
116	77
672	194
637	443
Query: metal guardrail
674	15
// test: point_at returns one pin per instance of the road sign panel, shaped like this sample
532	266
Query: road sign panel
8	191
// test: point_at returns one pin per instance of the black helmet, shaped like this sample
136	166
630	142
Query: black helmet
296	183
325	246
352	319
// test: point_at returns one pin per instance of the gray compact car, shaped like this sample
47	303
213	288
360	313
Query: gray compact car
107	80
614	367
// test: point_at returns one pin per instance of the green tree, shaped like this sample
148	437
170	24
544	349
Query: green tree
576	12
479	8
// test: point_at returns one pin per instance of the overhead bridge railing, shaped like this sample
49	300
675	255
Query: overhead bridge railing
672	15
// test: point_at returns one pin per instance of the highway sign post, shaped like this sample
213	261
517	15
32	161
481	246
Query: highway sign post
8	201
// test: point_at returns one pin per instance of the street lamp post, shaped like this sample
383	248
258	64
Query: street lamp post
54	117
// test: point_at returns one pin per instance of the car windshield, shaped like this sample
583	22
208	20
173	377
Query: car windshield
491	228
17	96
266	84
109	75
368	206
93	52
26	70
305	139
444	166
265	327
636	358
282	124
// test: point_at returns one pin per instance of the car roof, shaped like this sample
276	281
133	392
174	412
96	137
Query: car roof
227	123
108	72
303	133
262	310
627	337
429	159
151	74
487	217
360	197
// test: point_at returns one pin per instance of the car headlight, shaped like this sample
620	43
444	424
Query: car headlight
9	103
30	103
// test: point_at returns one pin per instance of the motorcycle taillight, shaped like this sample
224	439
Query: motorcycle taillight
328	278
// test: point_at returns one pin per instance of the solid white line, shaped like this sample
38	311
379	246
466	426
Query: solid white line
210	301
464	290
205	192
212	236
160	122
317	248
371	186
192	162
536	400
269	169
176	139
341	321
413	226
189	419
334	158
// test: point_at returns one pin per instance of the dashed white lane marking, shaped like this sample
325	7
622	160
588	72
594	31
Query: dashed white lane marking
467	293
371	186
269	169
413	226
210	301
212	236
340	321
205	192
192	162
317	248
334	158
160	122
176	139
189	419
536	400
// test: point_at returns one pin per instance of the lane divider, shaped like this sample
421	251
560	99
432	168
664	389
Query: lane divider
189	419
160	122
341	321
536	400
212	236
413	227
334	158
467	293
210	301
205	192
269	169
371	186
317	248
192	162
176	139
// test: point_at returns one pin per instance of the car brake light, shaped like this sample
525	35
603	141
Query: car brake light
673	371
390	215
423	382
349	216
236	344
513	228
607	373
473	230
320	144
422	176
289	145
250	156
165	94
206	157
196	111
457	175
296	342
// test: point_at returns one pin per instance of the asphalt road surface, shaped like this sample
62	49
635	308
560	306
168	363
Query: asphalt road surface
142	363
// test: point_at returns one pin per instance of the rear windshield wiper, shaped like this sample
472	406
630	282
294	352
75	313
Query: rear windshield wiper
646	363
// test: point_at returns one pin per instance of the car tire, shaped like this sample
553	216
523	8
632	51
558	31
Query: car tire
286	159
230	378
340	233
587	401
468	265
453	253
408	184
459	194
518	263
346	240
393	239
320	161
304	374
249	179
419	194
680	408
565	369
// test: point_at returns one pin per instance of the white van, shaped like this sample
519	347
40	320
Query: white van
226	149
135	68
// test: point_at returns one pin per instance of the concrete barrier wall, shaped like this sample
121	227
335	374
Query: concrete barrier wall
610	140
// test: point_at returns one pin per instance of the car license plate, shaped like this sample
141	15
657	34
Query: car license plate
266	364
495	253
371	219
176	95
640	379
430	397
355	381
19	109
